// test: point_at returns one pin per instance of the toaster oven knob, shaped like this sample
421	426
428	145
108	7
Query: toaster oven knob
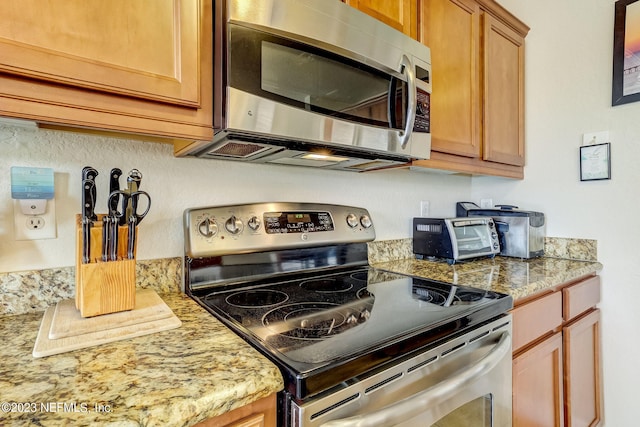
365	221
233	225
352	220
254	223
208	228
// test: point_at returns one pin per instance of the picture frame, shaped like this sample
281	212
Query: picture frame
626	53
595	162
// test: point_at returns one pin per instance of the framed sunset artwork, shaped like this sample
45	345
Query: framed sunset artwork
626	52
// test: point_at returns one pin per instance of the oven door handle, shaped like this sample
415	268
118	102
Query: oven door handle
412	406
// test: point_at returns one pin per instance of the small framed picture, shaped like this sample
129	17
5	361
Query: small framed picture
595	162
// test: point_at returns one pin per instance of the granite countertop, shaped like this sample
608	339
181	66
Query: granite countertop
518	278
172	378
201	369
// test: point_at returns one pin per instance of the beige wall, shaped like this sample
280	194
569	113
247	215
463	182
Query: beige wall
392	197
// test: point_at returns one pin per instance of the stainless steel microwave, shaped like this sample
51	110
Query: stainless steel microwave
315	83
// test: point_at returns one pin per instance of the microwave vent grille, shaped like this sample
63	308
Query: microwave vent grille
237	149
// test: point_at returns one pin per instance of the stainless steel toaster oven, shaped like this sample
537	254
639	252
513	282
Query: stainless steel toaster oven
455	239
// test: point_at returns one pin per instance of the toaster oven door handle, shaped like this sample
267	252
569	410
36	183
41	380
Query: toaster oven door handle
409	70
413	406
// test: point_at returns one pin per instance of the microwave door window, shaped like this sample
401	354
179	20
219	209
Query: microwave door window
324	85
306	77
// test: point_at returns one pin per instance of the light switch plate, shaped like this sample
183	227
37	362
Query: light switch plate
34	227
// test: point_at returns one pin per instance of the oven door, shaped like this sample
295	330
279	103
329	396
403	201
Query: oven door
464	382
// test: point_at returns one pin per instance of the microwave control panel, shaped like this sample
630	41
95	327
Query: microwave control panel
423	112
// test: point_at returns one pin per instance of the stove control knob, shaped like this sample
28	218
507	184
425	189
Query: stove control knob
254	223
208	228
365	221
352	220
233	225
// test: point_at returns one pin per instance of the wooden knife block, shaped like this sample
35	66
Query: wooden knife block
104	287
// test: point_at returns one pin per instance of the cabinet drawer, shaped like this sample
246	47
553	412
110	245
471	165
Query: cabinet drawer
535	319
580	297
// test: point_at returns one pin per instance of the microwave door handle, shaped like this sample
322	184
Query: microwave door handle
413	406
409	70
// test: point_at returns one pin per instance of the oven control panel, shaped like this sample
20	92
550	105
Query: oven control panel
223	230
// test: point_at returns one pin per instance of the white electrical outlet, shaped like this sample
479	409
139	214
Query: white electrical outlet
595	138
34	227
486	203
424	208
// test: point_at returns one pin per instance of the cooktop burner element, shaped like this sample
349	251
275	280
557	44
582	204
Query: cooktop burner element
326	285
306	320
257	298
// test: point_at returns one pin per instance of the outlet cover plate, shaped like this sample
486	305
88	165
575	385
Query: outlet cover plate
424	208
595	138
23	231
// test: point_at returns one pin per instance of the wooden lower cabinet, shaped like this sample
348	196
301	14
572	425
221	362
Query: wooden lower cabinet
557	370
261	413
537	384
583	371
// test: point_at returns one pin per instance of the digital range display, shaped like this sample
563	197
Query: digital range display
297	222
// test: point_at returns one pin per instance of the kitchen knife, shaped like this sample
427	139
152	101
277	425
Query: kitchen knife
114	185
106	237
133	183
89	173
133	220
88	206
131	237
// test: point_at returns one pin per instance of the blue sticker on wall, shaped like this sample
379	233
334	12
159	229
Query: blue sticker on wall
31	183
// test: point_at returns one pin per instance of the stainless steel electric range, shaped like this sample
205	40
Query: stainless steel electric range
356	345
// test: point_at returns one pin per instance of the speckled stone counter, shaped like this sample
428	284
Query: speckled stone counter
171	378
518	278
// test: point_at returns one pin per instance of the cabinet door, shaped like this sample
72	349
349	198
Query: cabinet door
261	413
451	29
537	385
503	136
399	14
583	371
143	48
140	67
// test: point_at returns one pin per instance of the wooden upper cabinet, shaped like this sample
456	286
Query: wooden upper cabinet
143	48
503	138
139	66
477	104
452	32
399	14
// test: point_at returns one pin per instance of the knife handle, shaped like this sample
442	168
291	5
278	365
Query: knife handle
114	185
89	174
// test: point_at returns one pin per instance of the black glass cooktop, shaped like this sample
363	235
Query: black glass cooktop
312	324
